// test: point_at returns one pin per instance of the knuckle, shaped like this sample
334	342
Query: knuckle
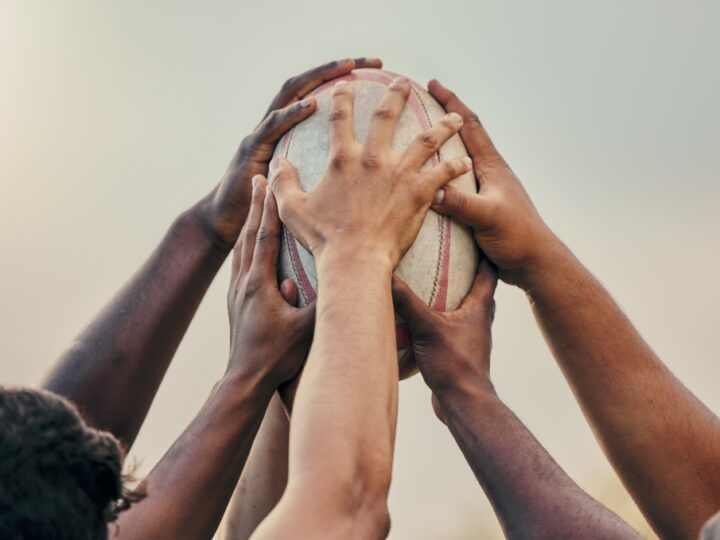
451	168
249	234
472	121
371	160
339	115
289	84
340	157
253	283
384	112
418	194
428	140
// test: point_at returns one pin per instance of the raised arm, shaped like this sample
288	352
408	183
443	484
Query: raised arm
188	490
662	440
127	347
532	496
358	222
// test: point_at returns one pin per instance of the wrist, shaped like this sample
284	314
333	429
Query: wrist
454	398
215	230
542	265
247	386
340	259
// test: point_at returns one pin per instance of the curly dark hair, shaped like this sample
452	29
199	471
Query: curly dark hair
59	478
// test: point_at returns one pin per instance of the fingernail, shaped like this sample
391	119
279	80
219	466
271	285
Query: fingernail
374	61
305	103
340	85
455	119
398	81
467	161
439	197
255	181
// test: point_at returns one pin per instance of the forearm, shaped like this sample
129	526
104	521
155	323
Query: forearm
112	370
263	478
662	439
530	493
348	393
343	425
188	491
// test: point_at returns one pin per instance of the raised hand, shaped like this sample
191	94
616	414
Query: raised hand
372	200
269	336
224	210
452	348
507	226
531	495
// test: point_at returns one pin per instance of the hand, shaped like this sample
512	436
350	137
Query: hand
452	349
224	210
372	200
507	226
269	337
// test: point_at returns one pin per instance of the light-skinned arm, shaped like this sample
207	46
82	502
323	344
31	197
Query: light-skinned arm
357	222
127	347
188	491
532	496
662	440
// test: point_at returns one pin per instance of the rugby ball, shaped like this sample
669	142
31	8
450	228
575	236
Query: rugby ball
440	266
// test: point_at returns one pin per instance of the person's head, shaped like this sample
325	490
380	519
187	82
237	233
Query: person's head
59	478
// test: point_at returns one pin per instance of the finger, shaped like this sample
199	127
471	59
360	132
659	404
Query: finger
278	122
285	185
297	87
242	256
410	307
386	115
470	208
480	298
430	141
267	242
342	136
445	171
289	291
476	139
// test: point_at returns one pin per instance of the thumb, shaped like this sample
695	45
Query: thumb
410	307
470	208
285	185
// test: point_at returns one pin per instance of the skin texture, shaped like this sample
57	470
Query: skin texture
126	349
663	442
188	490
357	222
264	477
531	494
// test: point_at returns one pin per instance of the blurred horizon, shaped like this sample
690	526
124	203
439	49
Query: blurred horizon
118	116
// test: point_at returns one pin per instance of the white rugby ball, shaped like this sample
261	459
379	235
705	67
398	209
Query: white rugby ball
441	265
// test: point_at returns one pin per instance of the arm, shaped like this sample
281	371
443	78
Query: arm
264	477
127	348
662	440
187	492
357	222
532	496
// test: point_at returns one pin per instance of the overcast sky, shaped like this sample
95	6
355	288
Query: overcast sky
115	116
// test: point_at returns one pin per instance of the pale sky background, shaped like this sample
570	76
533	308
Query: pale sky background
116	116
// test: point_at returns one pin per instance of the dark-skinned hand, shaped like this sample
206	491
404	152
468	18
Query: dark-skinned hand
224	210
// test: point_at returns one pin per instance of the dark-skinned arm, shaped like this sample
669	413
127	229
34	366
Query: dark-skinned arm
188	491
126	349
532	496
663	442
